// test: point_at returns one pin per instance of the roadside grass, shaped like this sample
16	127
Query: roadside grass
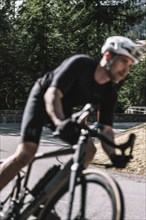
137	164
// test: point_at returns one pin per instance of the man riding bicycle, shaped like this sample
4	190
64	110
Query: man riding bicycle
77	81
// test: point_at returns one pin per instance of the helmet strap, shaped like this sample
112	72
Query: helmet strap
108	67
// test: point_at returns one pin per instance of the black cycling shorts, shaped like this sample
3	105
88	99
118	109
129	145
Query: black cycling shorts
34	115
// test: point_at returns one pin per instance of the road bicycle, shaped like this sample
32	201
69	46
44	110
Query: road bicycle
67	193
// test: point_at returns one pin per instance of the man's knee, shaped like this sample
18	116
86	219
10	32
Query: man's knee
25	153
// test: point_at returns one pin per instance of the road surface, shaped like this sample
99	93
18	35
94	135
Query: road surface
133	187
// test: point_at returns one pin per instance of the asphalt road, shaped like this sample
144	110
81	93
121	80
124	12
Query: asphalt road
133	187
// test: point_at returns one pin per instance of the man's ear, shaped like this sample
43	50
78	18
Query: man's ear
106	58
107	55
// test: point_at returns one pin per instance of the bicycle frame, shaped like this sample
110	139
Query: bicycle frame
18	196
68	175
40	156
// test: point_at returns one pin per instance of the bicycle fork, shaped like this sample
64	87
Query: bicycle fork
76	170
72	184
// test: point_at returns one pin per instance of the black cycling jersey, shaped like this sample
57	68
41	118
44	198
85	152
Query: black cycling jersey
75	78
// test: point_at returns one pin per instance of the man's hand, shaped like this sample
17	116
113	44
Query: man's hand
69	131
120	161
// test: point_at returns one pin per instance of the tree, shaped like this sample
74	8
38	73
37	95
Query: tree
8	58
37	36
133	90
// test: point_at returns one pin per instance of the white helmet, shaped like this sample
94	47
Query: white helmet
124	46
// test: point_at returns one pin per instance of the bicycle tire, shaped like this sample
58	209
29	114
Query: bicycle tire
109	187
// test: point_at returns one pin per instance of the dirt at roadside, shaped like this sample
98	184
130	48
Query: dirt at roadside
137	165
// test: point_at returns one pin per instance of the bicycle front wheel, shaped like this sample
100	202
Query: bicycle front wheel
97	197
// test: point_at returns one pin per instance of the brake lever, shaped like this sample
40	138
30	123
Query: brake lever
80	116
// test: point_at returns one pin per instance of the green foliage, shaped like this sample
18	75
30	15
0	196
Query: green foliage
133	90
38	35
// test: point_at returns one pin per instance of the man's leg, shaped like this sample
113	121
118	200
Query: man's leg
13	164
90	152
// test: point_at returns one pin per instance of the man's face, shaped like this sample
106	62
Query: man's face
120	67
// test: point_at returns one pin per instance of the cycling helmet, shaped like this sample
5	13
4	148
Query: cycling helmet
124	46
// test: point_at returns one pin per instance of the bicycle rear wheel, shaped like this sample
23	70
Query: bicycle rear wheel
97	196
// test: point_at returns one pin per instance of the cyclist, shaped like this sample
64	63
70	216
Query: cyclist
78	80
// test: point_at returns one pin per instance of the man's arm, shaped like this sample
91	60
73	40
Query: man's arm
108	133
53	104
